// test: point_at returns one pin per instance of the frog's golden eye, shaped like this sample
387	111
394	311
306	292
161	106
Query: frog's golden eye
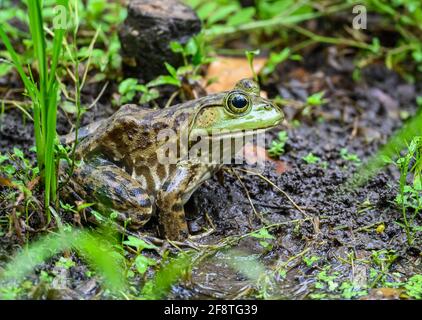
237	102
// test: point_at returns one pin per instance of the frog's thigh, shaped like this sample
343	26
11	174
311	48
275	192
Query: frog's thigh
175	192
114	188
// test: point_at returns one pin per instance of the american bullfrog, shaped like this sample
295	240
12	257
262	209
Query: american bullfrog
119	160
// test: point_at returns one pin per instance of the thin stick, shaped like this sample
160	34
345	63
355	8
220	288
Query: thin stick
249	198
99	96
283	192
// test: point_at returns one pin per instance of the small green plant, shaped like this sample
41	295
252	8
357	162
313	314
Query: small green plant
311	158
381	261
351	290
310	261
195	55
344	153
65	263
263	235
130	86
316	99
274	60
250	55
141	262
171	79
312	102
277	145
410	195
326	279
413	287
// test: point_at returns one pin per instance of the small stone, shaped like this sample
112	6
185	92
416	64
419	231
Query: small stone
146	34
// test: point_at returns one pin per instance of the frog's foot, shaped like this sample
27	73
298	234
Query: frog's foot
172	220
114	190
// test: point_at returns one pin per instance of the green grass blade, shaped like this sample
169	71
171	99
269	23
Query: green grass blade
30	87
49	146
38	38
57	46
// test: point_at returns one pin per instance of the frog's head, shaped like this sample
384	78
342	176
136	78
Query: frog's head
239	110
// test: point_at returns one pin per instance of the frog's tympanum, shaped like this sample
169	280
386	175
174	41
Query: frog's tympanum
126	163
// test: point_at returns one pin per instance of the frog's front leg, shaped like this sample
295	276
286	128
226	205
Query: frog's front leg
113	188
175	192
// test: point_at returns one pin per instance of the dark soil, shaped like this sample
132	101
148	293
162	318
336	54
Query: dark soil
359	116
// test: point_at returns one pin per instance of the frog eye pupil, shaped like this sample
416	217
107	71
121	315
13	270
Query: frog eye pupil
239	101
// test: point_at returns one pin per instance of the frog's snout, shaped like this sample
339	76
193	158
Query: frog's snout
271	106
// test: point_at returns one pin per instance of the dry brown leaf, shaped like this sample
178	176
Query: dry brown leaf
6	182
383	294
229	70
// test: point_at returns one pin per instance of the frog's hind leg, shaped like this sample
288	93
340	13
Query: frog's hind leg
113	188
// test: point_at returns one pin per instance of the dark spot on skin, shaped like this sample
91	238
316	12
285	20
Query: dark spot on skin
177	207
141	197
110	175
144	202
120	192
137	192
161	171
152	159
83	174
102	193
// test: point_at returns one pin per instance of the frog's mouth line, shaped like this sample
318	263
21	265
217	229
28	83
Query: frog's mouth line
235	134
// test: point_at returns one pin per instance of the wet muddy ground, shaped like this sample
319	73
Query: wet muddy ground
335	227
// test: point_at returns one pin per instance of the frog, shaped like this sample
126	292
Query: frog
119	165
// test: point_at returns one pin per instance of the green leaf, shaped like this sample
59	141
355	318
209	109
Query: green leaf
316	99
250	57
206	10
274	60
221	13
262	234
162	80
3	158
311	159
414	286
139	244
171	70
376	45
5	68
142	263
191	47
69	107
127	85
150	95
241	16
176	47
18	153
